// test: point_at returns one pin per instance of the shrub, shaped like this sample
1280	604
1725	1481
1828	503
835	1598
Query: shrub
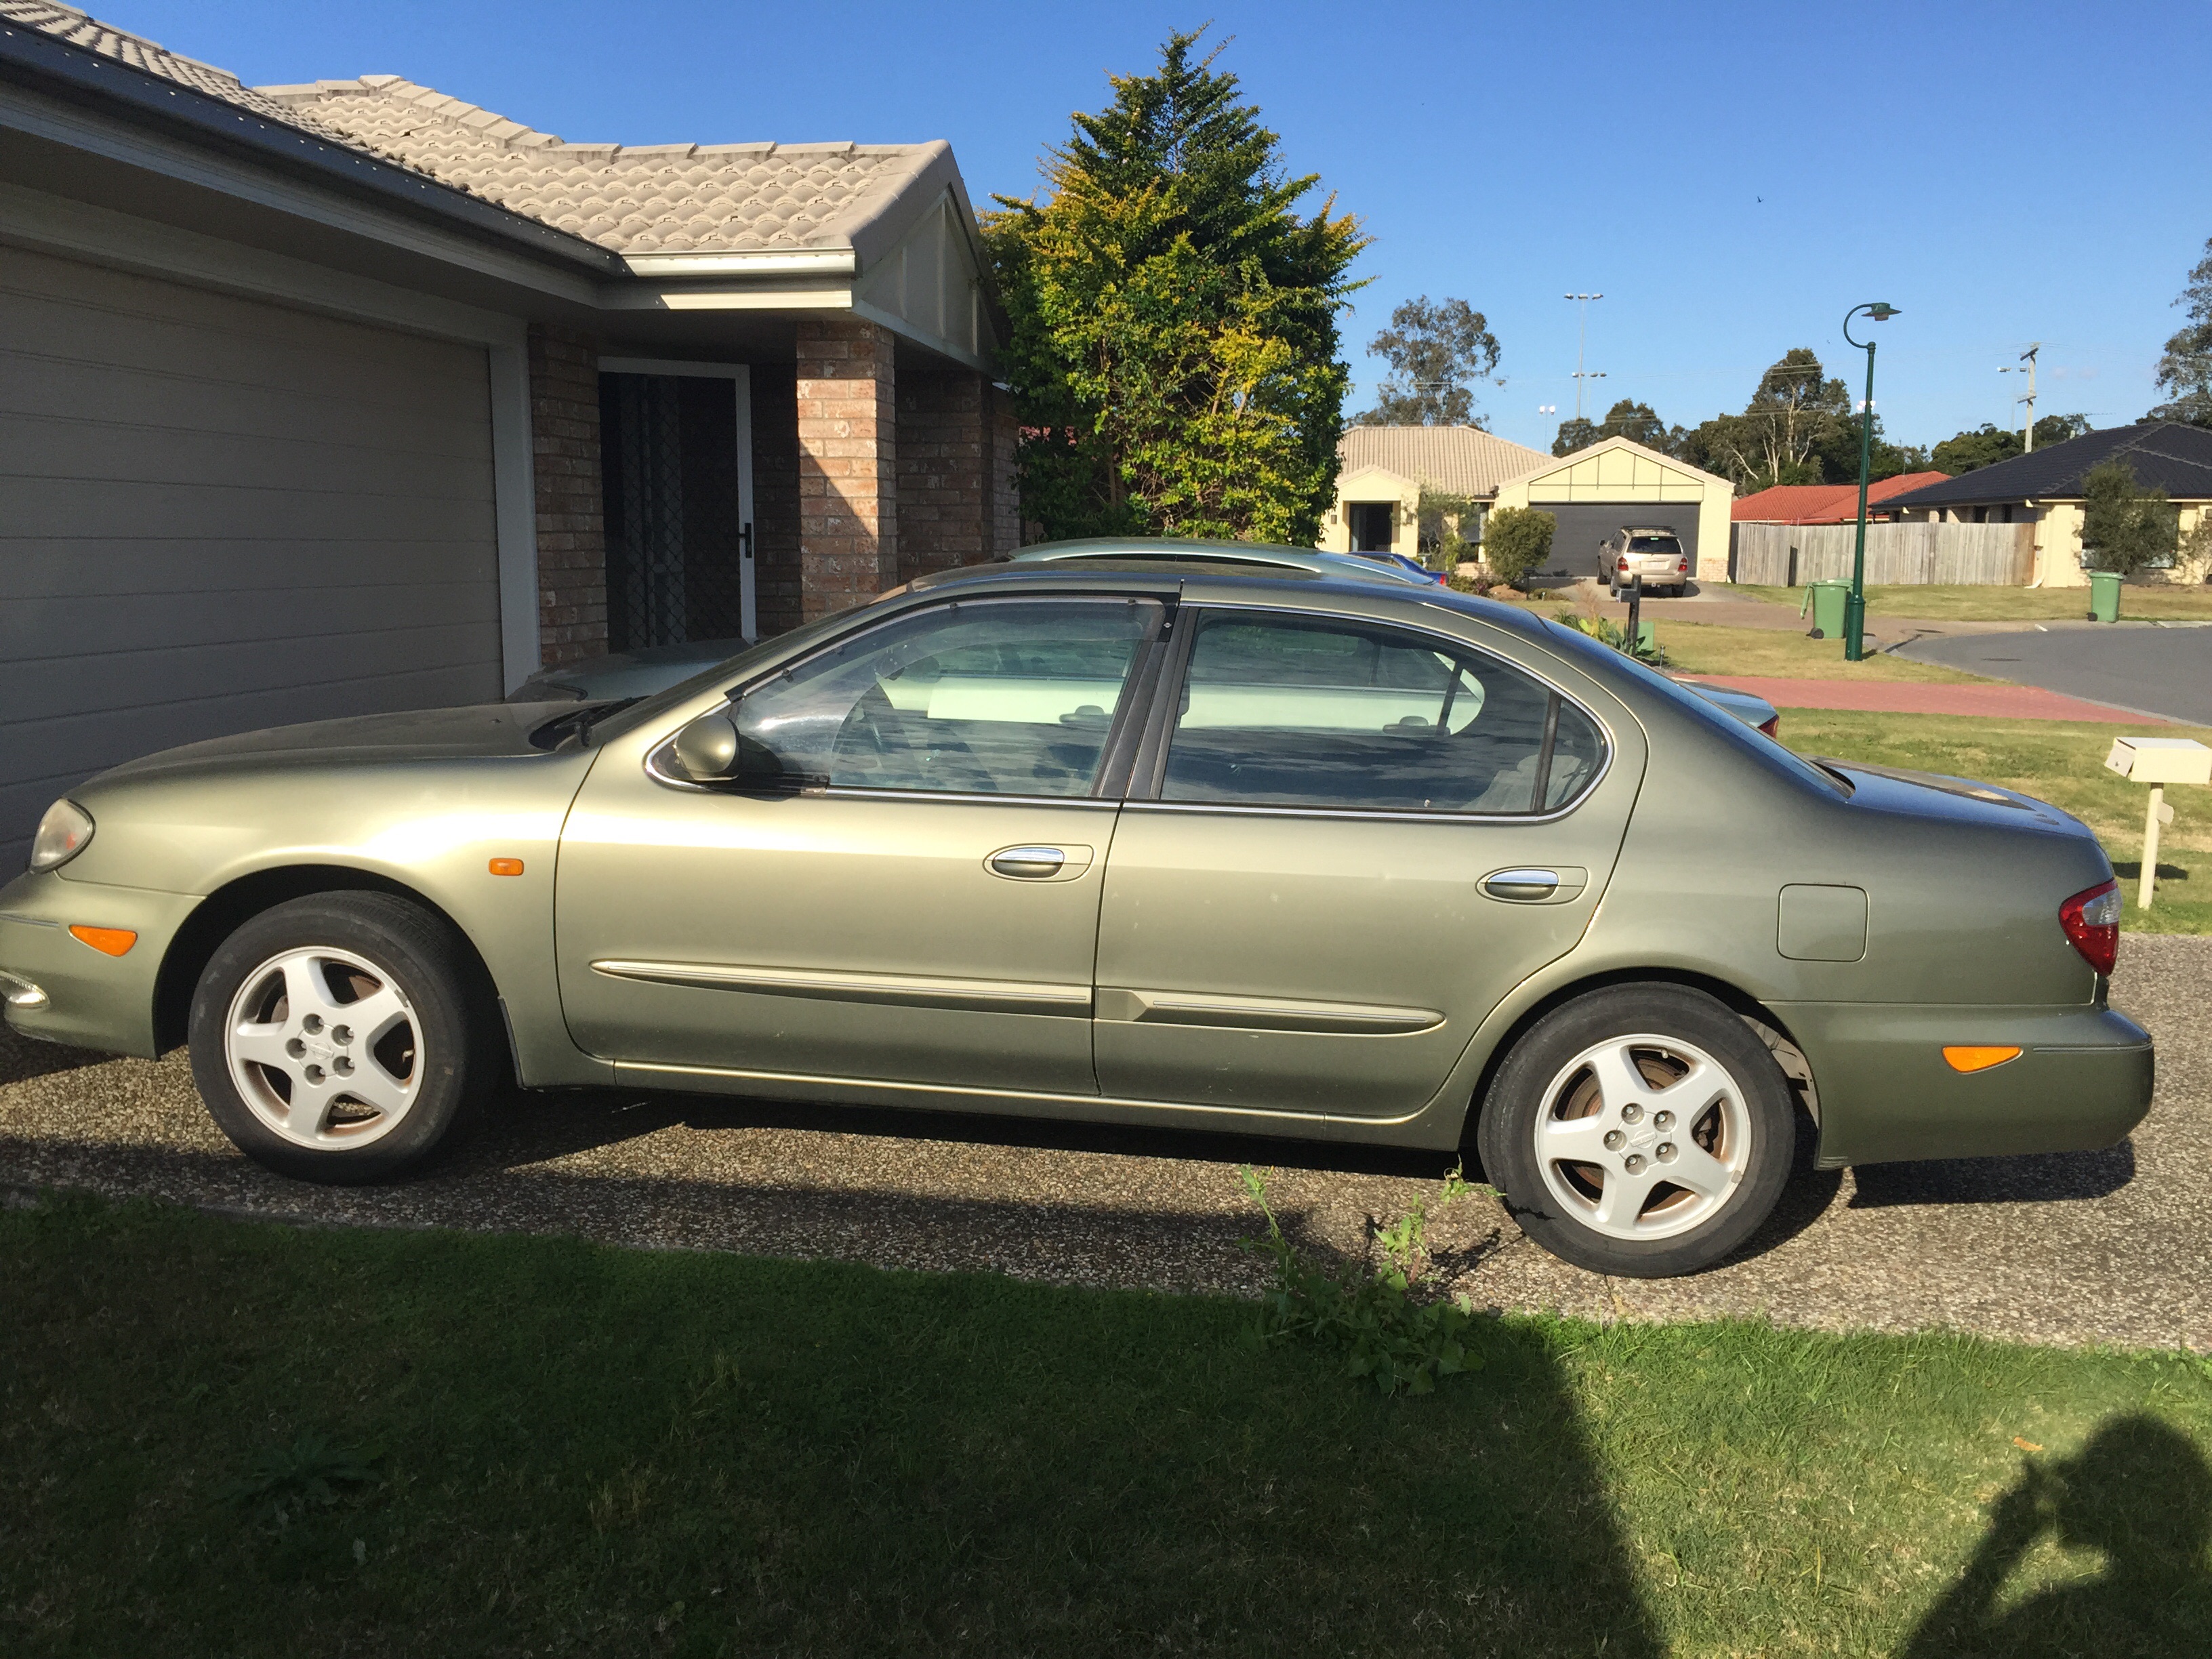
2122	528
1515	541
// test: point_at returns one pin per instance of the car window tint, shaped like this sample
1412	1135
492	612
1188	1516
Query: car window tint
1317	711
1008	697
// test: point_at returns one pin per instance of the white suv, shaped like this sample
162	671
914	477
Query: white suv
1651	551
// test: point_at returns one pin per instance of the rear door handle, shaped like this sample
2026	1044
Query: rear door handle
1524	886
1029	863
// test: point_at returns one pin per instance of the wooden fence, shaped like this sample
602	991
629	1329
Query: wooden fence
1792	555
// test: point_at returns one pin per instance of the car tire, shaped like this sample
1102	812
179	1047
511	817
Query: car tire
338	1038
1582	1132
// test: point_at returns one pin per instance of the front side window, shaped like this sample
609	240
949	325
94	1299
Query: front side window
1004	697
1315	712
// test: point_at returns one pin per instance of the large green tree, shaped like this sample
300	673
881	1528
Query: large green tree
2185	372
1174	356
1801	427
1437	353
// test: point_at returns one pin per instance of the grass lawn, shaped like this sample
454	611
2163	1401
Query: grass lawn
2055	761
584	1450
1705	648
2008	604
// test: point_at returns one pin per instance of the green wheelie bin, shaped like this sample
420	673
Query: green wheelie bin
1825	599
2104	596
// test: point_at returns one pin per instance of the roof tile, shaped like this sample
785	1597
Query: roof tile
715	198
1464	460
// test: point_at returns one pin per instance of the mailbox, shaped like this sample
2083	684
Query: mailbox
2161	760
2157	761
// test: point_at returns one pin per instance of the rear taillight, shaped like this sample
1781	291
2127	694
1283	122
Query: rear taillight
1682	564
2092	921
1773	726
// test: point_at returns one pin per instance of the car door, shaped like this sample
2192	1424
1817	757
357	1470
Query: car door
904	884
1347	841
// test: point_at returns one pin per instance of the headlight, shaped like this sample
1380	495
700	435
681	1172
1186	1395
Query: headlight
65	831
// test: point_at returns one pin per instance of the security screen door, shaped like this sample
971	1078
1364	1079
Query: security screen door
676	462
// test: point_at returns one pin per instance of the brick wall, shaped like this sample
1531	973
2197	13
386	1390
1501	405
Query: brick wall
848	519
572	544
944	466
776	568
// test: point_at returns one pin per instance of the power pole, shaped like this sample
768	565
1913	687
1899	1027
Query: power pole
1582	340
2027	432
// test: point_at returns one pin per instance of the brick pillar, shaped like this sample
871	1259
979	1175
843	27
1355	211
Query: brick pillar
572	538
943	466
848	525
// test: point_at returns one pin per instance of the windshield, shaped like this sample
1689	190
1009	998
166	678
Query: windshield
1715	718
610	722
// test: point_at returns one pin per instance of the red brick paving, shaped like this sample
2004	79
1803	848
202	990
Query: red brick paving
1905	697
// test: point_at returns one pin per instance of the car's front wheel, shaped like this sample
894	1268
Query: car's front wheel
1639	1130
331	1038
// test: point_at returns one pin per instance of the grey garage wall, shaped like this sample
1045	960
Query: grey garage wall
1584	525
218	514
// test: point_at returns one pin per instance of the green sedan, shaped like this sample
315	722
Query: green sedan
1181	836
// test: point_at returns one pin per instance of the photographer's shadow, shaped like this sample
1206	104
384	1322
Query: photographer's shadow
2140	1494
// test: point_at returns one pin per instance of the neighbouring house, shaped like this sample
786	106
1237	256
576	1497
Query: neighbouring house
2043	489
348	397
1826	503
1383	468
1616	484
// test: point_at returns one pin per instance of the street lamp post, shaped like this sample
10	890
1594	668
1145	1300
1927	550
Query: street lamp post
1582	340
1855	604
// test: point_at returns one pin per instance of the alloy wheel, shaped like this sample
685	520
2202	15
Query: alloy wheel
325	1048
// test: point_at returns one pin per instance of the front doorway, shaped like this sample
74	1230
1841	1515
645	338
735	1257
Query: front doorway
1374	525
675	458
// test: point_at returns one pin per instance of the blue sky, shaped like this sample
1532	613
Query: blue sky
1732	178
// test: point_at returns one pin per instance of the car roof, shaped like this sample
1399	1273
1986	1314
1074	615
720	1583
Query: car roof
1224	558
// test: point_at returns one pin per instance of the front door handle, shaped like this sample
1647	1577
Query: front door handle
1524	885
1030	863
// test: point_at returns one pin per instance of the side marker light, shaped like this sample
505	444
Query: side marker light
1973	1057
108	941
506	866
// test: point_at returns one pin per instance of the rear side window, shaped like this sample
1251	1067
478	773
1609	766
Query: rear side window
1316	712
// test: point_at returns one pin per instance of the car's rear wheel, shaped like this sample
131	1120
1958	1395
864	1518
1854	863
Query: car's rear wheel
332	1037
1640	1130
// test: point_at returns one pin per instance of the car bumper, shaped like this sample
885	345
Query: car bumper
61	990
2082	1080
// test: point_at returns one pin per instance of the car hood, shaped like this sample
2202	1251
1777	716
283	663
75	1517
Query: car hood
486	732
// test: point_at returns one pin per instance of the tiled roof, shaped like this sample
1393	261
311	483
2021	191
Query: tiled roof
1463	460
1825	503
67	23
633	199
2163	455
653	198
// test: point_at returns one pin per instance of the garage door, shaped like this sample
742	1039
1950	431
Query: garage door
1584	525
218	514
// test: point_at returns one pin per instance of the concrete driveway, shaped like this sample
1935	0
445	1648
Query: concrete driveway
2155	668
2109	1247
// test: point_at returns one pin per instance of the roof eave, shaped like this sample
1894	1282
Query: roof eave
38	60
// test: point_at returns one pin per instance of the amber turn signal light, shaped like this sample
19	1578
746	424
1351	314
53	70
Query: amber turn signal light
506	866
1970	1057
108	941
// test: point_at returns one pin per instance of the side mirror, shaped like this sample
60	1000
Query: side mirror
707	747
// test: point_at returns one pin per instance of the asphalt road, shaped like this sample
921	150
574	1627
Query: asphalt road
2156	670
2111	1247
